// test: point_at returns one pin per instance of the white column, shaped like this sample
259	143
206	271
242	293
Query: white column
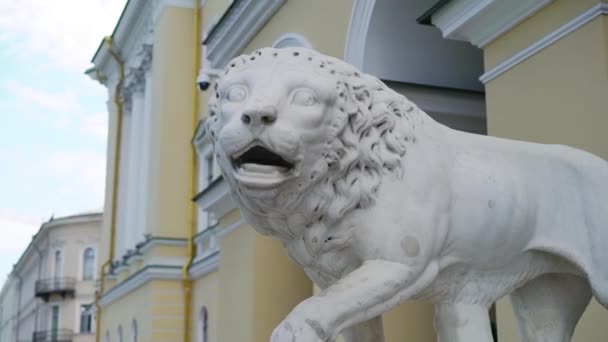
123	183
132	205
145	158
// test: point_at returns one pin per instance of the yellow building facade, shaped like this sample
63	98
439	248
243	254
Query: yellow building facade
179	262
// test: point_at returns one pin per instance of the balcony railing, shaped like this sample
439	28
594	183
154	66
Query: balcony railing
57	335
55	286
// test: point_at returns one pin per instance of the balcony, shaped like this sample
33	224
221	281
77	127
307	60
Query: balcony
57	335
63	287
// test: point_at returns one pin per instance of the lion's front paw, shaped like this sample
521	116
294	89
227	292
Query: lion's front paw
308	330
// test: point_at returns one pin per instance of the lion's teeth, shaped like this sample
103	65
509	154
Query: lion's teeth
269	170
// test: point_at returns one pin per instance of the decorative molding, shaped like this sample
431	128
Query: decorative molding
135	73
161	241
235	30
200	237
482	21
354	51
204	265
573	25
138	279
134	29
216	198
163	4
510	20
228	229
291	40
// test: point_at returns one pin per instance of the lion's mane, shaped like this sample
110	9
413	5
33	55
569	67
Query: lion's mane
371	128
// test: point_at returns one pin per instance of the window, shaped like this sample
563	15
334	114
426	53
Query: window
54	320
203	324
207	171
107	337
58	264
86	319
209	164
88	264
134	330
119	337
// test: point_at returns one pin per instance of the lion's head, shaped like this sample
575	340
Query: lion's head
302	137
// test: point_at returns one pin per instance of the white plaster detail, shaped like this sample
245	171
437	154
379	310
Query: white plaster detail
216	199
161	5
203	266
134	30
231	227
237	28
566	29
159	241
291	40
141	277
481	21
365	191
354	51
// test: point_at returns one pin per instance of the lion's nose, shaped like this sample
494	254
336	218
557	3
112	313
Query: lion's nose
263	116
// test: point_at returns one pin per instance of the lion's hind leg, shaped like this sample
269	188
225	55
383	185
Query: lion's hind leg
549	307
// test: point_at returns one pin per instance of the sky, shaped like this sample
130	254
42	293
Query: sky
53	118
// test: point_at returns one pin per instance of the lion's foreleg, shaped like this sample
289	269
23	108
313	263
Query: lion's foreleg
369	331
365	293
458	322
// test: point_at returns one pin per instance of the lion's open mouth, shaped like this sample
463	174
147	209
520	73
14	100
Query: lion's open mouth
260	167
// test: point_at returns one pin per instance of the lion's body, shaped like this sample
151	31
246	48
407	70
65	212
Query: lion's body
493	213
380	204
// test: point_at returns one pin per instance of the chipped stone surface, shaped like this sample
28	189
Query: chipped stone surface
380	204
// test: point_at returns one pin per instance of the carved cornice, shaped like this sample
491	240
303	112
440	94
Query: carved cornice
482	21
135	74
564	30
237	27
138	279
133	32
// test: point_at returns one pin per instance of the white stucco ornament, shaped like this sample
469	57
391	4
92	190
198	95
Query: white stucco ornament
379	204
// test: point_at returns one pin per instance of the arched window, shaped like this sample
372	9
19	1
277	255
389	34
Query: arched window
203	324
88	264
58	264
134	330
107	337
119	337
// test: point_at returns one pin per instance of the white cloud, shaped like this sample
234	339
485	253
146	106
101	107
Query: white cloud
95	125
61	109
78	172
59	102
65	32
17	230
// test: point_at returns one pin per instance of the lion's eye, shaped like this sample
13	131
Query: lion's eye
303	97
237	94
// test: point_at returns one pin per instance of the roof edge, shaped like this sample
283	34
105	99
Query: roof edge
426	17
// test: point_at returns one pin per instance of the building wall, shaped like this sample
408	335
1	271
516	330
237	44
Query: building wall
23	312
136	305
557	96
172	124
8	309
326	33
206	292
158	303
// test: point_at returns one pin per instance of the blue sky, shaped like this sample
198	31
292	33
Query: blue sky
53	118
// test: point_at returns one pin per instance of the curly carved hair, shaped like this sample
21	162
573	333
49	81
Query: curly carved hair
371	128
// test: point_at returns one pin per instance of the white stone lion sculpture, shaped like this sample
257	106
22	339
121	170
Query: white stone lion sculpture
380	204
